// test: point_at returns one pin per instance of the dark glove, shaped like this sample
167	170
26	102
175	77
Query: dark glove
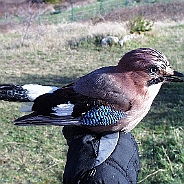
100	158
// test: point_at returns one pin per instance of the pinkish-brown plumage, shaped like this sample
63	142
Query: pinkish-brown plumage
130	88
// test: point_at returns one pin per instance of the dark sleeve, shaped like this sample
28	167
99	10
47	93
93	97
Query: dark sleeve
100	158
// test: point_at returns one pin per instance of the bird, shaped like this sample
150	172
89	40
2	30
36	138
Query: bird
108	99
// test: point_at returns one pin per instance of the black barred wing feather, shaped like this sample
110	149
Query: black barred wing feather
102	116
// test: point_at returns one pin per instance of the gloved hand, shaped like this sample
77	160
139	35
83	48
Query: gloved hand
100	158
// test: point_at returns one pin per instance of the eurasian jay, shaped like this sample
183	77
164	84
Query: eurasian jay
114	98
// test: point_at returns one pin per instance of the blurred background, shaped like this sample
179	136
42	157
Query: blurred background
55	42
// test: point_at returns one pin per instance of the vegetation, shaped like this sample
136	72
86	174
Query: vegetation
53	1
139	25
48	55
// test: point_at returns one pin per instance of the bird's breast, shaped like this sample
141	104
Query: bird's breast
141	106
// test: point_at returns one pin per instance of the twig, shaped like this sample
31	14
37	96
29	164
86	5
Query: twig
149	175
170	163
48	168
55	159
12	143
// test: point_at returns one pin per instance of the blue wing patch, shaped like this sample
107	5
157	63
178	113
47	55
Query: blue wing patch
102	116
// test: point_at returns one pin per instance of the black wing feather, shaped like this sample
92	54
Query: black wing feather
44	103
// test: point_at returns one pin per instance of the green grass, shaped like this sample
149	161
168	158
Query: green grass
38	154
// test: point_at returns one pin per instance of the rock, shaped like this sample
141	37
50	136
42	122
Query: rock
126	38
109	41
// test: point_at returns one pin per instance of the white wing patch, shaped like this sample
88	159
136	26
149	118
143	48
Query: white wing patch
63	109
35	90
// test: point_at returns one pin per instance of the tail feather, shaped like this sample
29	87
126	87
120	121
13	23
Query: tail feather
12	92
36	119
25	93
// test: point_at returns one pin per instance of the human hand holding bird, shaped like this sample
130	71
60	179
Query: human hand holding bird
114	98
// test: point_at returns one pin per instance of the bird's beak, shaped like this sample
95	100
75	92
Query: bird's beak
174	77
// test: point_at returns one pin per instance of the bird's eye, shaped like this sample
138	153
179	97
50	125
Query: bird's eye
153	70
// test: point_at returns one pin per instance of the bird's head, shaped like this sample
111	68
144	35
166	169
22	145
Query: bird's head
152	64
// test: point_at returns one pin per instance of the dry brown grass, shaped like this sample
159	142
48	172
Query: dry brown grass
14	7
156	11
13	1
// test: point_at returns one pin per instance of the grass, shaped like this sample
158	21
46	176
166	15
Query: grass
38	154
